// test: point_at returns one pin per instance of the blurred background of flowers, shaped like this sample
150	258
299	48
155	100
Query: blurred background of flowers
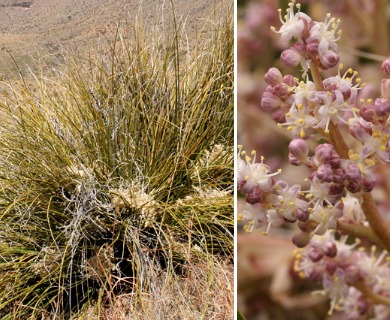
267	287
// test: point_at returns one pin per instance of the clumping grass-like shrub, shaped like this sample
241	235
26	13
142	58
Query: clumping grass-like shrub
116	178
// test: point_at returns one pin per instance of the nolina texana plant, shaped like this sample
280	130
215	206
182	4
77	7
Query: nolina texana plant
114	170
338	206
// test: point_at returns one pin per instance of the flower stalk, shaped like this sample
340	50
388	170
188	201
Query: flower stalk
369	207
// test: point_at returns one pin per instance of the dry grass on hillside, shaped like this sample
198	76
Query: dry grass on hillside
116	182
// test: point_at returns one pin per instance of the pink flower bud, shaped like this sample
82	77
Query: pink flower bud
269	101
299	47
315	254
367	112
254	195
334	160
289	80
324	173
312	46
352	171
353	186
301	239
385	88
291	58
330	249
338	176
307	226
382	108
368	183
336	189
323	152
329	59
279	116
386	66
273	76
298	150
302	215
282	90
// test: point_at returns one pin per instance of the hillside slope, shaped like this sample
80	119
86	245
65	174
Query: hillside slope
30	30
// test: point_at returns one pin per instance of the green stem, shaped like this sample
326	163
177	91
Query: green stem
374	297
358	231
377	224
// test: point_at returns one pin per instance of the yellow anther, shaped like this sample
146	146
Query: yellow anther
290	128
253	152
341	66
302	134
369	100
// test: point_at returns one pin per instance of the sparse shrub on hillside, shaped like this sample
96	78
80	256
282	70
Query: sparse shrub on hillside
115	173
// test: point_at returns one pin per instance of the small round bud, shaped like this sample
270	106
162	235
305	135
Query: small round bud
329	59
273	76
315	254
279	116
270	101
382	108
298	150
254	195
312	46
289	80
353	186
324	173
301	239
338	176
307	226
352	171
282	90
323	152
368	183
386	66
385	88
336	189
330	249
291	58
302	215
367	112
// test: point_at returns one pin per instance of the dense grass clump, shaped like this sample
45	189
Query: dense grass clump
116	172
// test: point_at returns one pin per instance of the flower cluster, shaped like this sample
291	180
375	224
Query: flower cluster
340	179
314	41
342	269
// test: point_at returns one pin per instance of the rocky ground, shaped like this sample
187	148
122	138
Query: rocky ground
37	30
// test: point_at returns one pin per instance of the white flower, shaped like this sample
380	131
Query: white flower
294	23
254	215
327	38
299	121
329	109
254	175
